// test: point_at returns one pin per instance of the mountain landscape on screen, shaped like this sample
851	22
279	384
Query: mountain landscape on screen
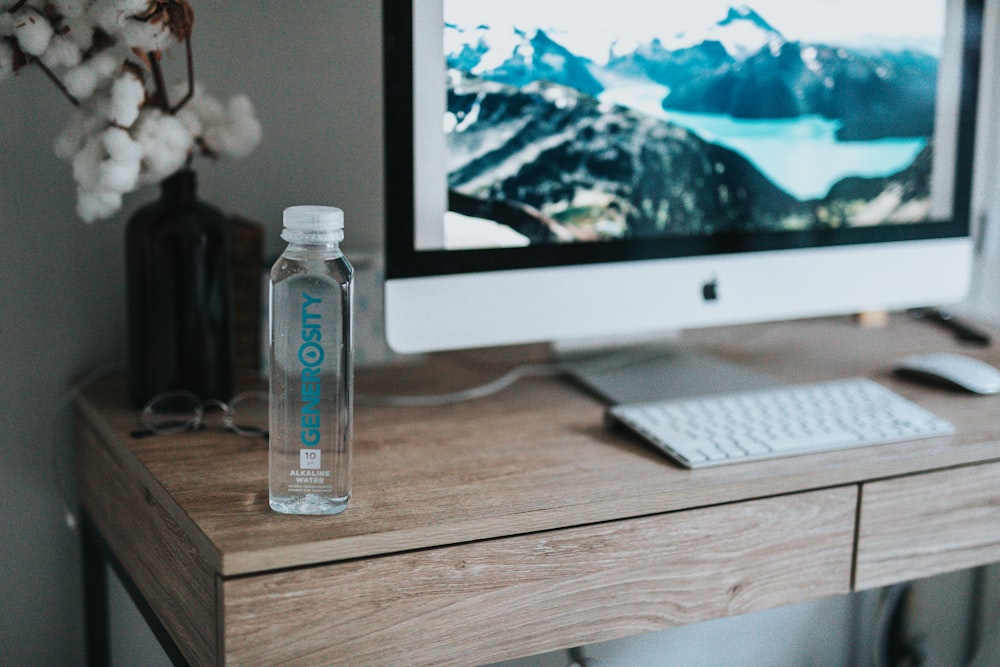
729	128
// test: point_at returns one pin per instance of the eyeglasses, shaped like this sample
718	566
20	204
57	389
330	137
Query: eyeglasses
176	411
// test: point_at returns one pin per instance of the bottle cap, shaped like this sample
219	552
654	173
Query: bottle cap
313	224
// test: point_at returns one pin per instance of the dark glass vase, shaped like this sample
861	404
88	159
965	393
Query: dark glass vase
179	273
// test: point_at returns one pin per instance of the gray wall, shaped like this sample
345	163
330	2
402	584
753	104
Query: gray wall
313	70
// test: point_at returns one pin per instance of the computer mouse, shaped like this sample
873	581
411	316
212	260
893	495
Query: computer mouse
955	369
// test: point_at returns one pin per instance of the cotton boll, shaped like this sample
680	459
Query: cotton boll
118	176
246	125
208	108
236	133
61	52
127	96
33	32
81	82
106	165
104	14
82	123
113	15
166	143
80	31
87	162
132	7
105	65
232	131
146	36
120	145
117	18
92	205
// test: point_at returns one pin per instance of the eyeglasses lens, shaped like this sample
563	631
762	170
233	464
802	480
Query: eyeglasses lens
172	412
248	414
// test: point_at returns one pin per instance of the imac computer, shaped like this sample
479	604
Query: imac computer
618	169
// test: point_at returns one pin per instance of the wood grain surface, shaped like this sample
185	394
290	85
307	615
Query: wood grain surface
535	457
518	596
922	525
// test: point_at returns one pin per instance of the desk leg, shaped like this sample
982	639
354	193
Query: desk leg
95	596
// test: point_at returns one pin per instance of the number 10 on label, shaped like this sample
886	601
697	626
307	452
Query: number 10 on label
309	459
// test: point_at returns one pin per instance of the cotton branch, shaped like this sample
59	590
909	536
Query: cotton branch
22	59
55	79
190	73
125	131
159	97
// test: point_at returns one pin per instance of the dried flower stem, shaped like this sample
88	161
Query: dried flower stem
190	73
55	79
160	98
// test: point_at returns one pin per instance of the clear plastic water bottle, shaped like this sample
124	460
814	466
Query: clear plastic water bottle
312	374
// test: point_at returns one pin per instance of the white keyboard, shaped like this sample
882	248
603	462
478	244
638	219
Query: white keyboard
789	420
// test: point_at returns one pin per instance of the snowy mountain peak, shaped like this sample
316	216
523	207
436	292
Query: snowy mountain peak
743	32
746	13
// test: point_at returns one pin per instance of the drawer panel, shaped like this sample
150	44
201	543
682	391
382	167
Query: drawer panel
521	595
922	525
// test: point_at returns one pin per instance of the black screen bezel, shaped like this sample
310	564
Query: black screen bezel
404	260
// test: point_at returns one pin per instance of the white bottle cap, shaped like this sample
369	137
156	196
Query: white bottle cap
313	224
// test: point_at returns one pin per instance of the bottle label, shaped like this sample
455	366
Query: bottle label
310	411
311	355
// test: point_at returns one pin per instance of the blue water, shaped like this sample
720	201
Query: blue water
801	156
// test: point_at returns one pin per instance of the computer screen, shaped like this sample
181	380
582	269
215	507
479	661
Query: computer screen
560	171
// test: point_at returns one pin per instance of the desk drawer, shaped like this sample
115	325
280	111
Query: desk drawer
497	599
922	525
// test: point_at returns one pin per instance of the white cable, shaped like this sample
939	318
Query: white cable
78	387
599	362
470	394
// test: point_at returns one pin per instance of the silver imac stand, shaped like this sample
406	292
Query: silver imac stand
658	371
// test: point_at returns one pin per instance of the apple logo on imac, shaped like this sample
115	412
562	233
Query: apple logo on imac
710	290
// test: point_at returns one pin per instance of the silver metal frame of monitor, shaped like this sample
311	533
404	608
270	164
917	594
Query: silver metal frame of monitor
620	300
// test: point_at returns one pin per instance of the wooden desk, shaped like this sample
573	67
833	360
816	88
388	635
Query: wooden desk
518	524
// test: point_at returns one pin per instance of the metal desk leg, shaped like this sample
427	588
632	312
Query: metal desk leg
95	596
